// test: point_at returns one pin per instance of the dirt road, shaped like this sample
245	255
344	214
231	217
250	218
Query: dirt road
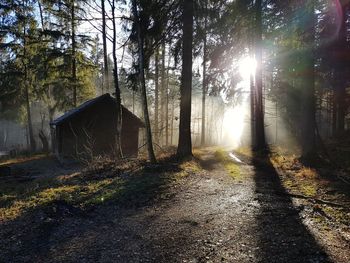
206	217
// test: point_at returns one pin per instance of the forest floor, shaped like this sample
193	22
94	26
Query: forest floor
221	206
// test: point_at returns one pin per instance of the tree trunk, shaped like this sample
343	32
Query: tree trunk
260	142
32	142
167	102
51	111
105	84
334	111
185	144
204	84
118	148
308	121
341	78
172	121
44	141
74	67
26	88
140	40
162	96
252	111
156	97
41	15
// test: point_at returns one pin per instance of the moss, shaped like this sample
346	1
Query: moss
317	219
190	167
89	188
231	167
289	184
247	151
308	189
19	199
337	214
233	170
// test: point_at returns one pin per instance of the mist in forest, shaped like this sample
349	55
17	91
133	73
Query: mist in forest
82	52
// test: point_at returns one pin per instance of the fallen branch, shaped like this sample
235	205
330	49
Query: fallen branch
316	200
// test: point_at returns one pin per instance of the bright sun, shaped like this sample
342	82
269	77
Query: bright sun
247	67
234	121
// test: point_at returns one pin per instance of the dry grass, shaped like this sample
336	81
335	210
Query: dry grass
22	159
300	179
231	167
308	173
103	180
296	177
246	151
100	181
16	199
285	162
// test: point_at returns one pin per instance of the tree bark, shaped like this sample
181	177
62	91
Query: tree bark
32	142
141	54
74	67
167	102
162	96
41	15
44	141
204	83
260	141
118	148
156	97
308	104
105	56
334	111
172	121
185	144
341	78
252	111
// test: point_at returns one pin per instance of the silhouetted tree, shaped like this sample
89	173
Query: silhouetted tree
185	144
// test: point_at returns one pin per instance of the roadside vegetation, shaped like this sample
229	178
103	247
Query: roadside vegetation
126	183
231	167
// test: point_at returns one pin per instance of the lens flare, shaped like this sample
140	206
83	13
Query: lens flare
247	67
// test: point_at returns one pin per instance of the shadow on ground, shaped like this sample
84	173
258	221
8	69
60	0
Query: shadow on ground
282	235
334	172
208	164
31	235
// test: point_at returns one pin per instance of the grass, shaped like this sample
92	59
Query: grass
125	183
18	198
300	179
230	166
337	214
22	159
190	167
246	151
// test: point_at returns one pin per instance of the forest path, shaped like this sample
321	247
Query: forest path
207	217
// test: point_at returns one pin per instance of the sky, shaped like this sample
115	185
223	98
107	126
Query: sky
89	28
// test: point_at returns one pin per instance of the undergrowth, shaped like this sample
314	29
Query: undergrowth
311	182
126	183
231	167
21	159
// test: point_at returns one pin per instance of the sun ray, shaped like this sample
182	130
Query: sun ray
247	67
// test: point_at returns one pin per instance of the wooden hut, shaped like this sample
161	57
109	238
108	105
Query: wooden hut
90	129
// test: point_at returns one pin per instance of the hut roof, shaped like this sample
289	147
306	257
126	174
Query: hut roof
88	104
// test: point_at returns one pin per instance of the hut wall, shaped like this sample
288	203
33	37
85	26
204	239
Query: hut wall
93	132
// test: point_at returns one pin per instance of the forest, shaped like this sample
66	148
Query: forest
175	131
